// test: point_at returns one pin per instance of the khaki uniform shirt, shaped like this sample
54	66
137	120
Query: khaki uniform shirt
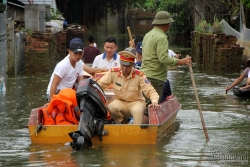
129	89
155	59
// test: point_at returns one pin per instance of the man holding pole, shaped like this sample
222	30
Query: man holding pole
155	60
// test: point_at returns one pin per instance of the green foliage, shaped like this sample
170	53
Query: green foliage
246	2
179	10
217	27
203	26
53	15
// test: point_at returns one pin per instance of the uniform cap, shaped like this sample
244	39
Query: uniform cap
162	17
126	58
76	45
131	50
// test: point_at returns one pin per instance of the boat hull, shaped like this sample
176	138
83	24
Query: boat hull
113	133
241	93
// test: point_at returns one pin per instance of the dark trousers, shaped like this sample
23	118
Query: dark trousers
166	91
158	85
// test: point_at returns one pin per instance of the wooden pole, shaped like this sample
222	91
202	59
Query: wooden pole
129	33
198	102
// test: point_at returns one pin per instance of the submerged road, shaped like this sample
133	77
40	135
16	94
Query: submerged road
226	117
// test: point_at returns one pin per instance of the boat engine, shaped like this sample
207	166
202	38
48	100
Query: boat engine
92	103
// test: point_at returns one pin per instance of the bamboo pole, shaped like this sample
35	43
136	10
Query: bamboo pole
129	33
198	102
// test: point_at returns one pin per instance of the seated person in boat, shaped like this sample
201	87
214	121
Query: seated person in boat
129	84
67	71
242	76
173	54
70	69
248	82
109	58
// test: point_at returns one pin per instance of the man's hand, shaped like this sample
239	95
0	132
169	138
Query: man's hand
185	61
177	56
227	89
155	106
104	69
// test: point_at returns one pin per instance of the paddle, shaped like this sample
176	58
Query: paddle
129	33
198	101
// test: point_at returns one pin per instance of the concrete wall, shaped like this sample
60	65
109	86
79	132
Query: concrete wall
116	25
33	18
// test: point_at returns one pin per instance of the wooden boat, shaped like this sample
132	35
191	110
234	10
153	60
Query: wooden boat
241	93
159	122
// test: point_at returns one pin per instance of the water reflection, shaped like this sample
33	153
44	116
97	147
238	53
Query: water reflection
227	119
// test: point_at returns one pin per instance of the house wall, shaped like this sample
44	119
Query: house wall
33	19
17	13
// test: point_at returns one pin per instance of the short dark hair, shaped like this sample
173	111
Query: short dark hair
138	39
110	40
91	39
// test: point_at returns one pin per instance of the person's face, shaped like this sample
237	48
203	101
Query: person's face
167	27
76	56
110	48
126	69
138	57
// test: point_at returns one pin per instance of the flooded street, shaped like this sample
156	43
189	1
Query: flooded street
227	119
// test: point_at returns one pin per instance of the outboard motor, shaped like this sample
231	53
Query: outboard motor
92	103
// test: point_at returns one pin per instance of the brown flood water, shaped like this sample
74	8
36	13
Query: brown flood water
227	120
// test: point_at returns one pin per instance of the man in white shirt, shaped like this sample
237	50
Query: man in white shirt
109	58
172	54
67	71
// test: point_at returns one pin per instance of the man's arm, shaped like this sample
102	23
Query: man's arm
184	61
148	89
79	78
248	82
55	82
105	80
150	92
236	82
92	70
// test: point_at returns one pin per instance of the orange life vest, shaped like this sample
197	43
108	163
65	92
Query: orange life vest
61	109
47	118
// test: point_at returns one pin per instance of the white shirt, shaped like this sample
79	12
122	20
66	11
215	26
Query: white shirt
101	61
171	53
249	74
67	73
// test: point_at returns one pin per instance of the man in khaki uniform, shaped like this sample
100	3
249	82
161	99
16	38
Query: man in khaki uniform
129	84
